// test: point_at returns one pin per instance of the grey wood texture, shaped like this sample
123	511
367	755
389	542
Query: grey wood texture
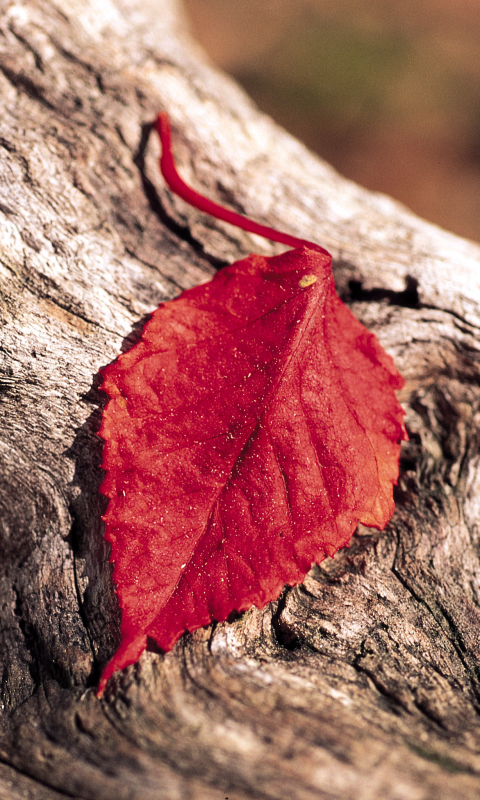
361	684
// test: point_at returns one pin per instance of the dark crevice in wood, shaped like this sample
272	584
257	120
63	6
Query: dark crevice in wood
181	231
448	764
31	88
92	680
36	56
439	613
407	299
30	640
34	781
285	636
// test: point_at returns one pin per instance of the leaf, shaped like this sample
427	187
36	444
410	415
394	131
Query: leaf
247	433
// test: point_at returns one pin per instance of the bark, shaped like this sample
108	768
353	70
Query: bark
361	683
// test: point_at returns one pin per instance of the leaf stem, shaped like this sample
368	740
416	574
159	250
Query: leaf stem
178	185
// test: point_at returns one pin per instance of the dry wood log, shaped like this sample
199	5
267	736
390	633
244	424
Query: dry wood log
361	684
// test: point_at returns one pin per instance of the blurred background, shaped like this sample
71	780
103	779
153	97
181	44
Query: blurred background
388	91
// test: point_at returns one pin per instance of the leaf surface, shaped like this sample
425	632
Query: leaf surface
247	433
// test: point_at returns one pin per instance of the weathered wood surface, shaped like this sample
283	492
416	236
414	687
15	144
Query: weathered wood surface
364	682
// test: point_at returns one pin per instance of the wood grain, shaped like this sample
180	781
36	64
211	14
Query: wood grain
362	683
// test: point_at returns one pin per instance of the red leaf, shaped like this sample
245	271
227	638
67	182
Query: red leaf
249	431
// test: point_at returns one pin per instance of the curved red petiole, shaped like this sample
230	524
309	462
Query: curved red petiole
177	185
